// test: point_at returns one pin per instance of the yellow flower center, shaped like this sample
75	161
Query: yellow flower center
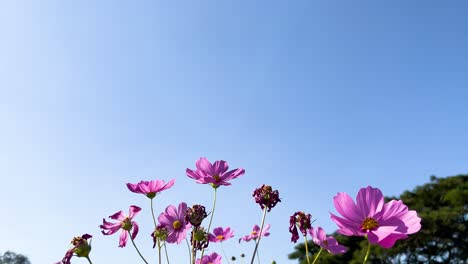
177	224
220	237
369	224
254	233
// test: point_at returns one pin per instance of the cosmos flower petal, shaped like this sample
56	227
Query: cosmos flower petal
135	229
204	165
220	167
123	238
118	216
345	205
369	200
133	211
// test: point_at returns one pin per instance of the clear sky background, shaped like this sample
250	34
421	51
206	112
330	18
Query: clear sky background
311	97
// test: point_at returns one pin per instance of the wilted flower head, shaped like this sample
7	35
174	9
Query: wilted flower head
382	223
196	214
160	233
328	243
199	238
150	188
174	220
301	220
216	174
81	248
256	233
219	234
266	197
210	259
124	222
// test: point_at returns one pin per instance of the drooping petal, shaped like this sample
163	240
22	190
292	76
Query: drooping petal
369	201
118	216
193	174
135	229
133	211
375	236
123	238
333	247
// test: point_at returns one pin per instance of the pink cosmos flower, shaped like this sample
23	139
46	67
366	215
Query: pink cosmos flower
150	188
220	235
210	259
256	232
382	223
215	174
328	243
174	221
124	222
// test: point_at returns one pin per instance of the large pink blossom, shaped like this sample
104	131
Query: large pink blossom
220	235
382	223
123	222
173	219
328	243
210	259
216	174
150	188
256	233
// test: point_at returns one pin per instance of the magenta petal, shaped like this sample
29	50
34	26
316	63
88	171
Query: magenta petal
220	167
345	205
123	238
135	229
369	201
133	187
390	240
133	211
375	236
118	216
181	212
205	166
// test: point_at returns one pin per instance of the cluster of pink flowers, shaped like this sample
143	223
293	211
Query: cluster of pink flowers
381	223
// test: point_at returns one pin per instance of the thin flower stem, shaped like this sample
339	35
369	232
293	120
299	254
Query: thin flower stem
367	253
152	213
307	249
165	250
139	253
211	220
317	256
89	260
194	250
159	251
189	250
259	235
224	253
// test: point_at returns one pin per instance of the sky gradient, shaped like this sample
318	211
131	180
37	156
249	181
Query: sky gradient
311	97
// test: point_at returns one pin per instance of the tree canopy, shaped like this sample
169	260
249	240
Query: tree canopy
13	258
442	205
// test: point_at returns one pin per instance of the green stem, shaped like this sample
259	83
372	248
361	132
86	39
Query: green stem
139	253
307	249
259	235
317	256
89	260
159	250
224	253
211	220
367	252
165	250
152	213
189	250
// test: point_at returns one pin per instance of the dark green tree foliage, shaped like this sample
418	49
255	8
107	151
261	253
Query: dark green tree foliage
442	205
13	258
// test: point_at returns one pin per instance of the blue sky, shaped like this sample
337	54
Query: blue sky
313	98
